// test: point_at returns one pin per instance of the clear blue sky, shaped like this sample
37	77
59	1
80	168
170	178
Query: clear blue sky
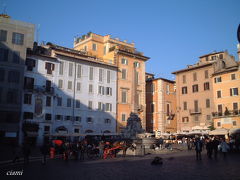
174	33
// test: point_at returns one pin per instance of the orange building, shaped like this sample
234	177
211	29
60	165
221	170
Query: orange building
226	86
131	72
161	105
195	101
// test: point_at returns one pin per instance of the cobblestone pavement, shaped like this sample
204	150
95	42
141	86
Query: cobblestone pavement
181	165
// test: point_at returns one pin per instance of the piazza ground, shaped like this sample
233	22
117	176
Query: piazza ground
180	165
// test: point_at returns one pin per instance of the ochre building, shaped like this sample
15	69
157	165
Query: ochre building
130	76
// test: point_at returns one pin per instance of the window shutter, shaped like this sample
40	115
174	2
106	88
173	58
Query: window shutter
230	91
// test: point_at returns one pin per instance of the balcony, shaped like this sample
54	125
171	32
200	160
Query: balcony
227	113
40	89
195	111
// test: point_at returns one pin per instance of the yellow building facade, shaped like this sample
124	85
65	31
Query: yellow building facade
130	76
226	86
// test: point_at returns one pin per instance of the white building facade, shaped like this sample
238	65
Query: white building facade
68	95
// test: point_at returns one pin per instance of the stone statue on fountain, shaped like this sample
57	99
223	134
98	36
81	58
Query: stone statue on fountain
134	127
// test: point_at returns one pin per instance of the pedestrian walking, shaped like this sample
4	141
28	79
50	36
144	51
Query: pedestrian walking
209	148
16	153
26	152
198	148
215	143
45	151
224	147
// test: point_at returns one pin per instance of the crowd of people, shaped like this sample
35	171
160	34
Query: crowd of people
88	148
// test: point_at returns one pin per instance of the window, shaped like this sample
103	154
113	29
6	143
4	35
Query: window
124	61
28	83
208	117
107	121
124	96
218	124
13	76
233	76
234	123
30	63
94	47
220	110
59	101
184	90
79	71
85	48
207	103
152	108
184	79
70	69
184	105
220	56
206	74
123	117
27	98
100	75
78	118
91	73
136	64
217	79
48	101
48	85
108	91
214	57
49	67
89	120
48	117
76	130
108	76
233	91
206	86
46	128
105	50
137	78
61	68
17	38
235	108
168	109
196	106
16	57
2	75
196	118
67	118
77	103
108	107
101	90
90	88
69	84
27	115
58	117
152	87
69	102
78	86
167	89
194	76
60	83
3	54
124	74
195	88
185	119
3	35
219	94
90	105
100	106
12	96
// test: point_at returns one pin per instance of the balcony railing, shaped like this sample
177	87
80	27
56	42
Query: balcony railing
40	89
195	111
226	113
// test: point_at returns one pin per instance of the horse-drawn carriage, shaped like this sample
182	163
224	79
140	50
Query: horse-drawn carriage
112	150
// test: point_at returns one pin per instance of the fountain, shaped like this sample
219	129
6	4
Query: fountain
136	133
